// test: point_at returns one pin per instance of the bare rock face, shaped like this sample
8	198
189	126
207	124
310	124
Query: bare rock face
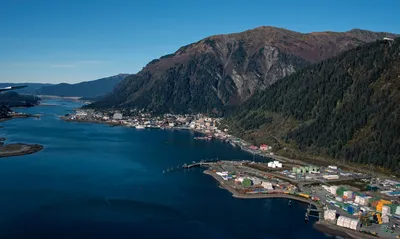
225	70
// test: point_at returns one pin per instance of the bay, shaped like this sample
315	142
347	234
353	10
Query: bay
97	181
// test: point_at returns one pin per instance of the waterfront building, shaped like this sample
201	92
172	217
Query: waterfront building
117	116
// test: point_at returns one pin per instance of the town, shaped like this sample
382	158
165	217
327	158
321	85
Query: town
356	201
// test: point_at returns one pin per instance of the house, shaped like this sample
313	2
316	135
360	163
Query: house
263	147
117	116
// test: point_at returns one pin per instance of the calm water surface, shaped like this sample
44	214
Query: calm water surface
97	181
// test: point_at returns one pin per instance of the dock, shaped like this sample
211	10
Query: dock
201	163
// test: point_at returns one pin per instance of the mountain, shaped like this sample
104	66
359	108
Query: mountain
13	99
346	107
30	89
88	89
227	69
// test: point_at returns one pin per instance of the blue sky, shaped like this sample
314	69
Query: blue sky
71	41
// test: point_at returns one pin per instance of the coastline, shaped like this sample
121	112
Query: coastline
320	225
19	116
236	194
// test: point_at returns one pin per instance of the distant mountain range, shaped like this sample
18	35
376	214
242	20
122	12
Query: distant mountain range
225	70
87	89
346	107
31	88
13	99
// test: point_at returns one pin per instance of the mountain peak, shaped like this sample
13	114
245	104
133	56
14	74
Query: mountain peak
227	69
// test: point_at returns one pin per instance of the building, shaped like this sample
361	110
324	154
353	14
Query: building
81	114
350	223
117	116
267	185
331	176
263	147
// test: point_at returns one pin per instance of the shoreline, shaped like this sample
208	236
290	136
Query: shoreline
236	194
19	117
320	225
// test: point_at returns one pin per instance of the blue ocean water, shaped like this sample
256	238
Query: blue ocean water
97	181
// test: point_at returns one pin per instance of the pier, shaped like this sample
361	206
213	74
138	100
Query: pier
206	162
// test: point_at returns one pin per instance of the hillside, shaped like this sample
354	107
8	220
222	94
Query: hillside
30	89
13	99
227	69
347	107
88	89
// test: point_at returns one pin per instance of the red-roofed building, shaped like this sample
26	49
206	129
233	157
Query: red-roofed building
263	147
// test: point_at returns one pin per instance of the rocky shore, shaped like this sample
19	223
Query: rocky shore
18	116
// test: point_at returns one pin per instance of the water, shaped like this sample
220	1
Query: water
97	181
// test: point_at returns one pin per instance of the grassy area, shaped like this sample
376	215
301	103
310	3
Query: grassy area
10	147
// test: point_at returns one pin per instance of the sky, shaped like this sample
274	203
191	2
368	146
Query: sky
53	41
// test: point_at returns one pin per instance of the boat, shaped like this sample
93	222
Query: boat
139	127
290	203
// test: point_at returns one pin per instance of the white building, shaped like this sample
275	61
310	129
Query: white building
350	223
117	116
81	113
275	164
331	177
348	194
330	215
239	179
332	167
171	124
385	210
333	189
363	201
267	185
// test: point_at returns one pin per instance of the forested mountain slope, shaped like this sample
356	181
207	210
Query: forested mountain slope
227	69
346	107
95	88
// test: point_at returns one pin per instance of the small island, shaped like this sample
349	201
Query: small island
13	99
18	149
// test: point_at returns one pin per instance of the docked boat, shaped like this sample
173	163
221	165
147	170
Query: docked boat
139	127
